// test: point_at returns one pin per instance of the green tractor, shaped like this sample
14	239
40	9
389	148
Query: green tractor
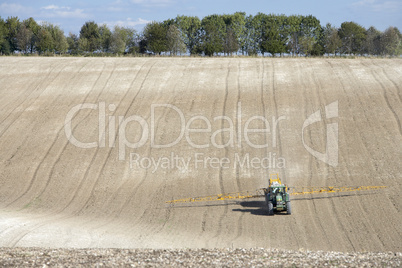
277	197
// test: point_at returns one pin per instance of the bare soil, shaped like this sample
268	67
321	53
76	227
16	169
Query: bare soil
54	194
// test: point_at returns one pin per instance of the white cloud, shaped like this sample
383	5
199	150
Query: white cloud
14	9
115	9
153	3
127	23
76	13
52	11
379	5
50	7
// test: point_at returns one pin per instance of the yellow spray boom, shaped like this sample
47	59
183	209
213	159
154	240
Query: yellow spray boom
261	192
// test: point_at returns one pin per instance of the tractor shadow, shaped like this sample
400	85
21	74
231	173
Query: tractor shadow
253	207
257	208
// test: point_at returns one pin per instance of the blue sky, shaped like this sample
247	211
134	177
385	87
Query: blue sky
71	15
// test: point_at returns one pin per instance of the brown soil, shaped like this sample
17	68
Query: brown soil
54	194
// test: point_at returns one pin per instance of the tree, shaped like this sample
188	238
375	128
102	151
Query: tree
231	42
168	22
155	36
332	41
213	34
45	42
56	43
72	41
34	27
117	44
4	46
190	27
318	49
306	44
372	44
83	45
273	37
90	31
293	30
174	40
235	32
391	41
250	47
353	36
122	40
60	42
12	24
142	45
24	37
272	43
254	32
249	37
131	40
105	36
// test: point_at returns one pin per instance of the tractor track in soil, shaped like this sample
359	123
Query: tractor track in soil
56	195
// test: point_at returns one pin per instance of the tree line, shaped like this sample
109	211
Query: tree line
228	34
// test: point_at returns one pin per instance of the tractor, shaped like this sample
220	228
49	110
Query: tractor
277	197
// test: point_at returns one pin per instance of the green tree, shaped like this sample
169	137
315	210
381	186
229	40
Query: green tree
332	41
122	40
391	41
142	45
231	42
254	33
318	49
34	27
168	22
190	27
306	44
372	44
90	31
12	25
24	37
174	40
83	45
273	37
155	36
45	42
293	31
60	40
235	32
311	34
105	36
59	44
117	44
4	46
72	41
353	37
213	34
131	40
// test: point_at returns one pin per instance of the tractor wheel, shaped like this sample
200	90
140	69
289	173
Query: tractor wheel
288	208
270	208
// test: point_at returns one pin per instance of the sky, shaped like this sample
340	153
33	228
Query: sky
71	15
